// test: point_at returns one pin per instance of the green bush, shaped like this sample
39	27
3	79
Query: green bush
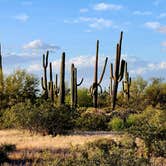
150	125
92	119
116	124
39	117
131	120
103	152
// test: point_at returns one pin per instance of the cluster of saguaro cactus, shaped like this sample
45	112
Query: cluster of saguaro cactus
96	83
126	83
51	90
74	85
118	71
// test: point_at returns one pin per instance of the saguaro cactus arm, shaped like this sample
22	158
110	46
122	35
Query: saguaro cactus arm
79	84
105	64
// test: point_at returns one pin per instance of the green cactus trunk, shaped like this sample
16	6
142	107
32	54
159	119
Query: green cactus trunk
118	71
126	84
44	78
51	85
1	73
96	83
74	86
95	96
1	80
62	81
56	89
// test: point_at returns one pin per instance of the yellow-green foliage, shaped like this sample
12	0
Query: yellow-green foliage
116	124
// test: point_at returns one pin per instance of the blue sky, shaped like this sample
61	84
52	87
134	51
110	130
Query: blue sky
30	27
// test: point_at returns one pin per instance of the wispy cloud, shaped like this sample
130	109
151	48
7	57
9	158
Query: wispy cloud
142	13
162	15
149	68
84	10
156	26
34	68
106	6
162	29
93	22
152	25
21	17
40	45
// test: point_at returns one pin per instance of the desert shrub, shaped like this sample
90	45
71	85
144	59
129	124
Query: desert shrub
103	152
150	125
159	148
84	98
156	93
20	86
39	117
92	119
116	124
131	120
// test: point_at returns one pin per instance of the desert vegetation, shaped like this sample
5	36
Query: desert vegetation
82	126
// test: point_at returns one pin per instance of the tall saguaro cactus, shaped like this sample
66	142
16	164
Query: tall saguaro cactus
51	85
56	89
62	81
118	71
74	85
44	78
126	83
1	72
96	83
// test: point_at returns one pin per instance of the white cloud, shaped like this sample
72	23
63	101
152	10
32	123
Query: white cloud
156	26
34	68
21	17
40	45
162	15
93	22
152	25
149	67
162	29
84	10
101	23
106	6
142	13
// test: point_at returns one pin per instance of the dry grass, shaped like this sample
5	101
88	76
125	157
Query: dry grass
25	140
31	146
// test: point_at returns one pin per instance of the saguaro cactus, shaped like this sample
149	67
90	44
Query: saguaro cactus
96	83
51	85
44	78
56	89
1	72
126	83
74	85
62	81
118	76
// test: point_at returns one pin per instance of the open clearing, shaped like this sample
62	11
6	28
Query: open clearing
32	146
